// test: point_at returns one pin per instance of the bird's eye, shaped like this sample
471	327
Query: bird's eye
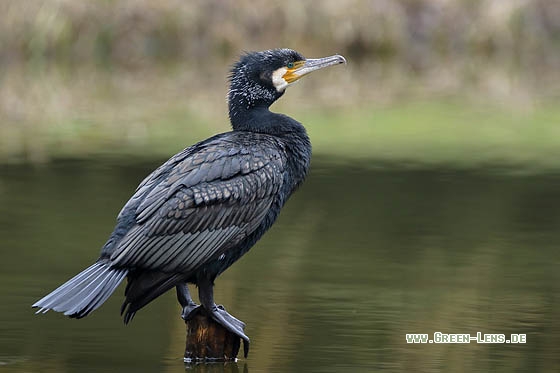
290	65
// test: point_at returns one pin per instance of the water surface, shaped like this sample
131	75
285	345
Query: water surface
361	255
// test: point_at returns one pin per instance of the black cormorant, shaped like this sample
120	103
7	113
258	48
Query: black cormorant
205	207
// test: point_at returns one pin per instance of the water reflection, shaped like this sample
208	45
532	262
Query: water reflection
361	256
231	367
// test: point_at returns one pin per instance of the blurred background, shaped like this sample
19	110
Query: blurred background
437	80
432	204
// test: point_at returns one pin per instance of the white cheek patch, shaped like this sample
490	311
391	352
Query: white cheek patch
278	79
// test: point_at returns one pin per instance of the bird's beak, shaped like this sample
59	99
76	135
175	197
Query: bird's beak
304	67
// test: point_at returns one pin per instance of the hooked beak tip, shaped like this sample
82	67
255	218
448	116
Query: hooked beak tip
341	59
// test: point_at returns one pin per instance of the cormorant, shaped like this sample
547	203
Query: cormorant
208	205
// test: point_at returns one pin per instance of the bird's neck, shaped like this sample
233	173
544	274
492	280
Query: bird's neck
260	119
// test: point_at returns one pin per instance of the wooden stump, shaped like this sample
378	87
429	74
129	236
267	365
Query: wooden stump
209	341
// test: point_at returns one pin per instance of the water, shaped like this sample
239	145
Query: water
361	255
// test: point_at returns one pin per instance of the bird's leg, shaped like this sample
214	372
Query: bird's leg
184	298
219	313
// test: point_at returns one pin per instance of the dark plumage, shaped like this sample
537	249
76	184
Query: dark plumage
205	207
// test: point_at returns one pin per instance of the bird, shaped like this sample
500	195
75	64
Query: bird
200	211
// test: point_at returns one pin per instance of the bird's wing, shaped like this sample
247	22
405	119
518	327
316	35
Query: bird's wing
201	205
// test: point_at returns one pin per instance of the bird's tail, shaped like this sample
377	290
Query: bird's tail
84	292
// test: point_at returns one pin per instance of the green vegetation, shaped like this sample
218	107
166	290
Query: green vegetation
145	79
444	132
421	33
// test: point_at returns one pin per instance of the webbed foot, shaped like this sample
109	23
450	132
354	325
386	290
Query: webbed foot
237	327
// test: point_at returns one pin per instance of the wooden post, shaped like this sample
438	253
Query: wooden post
209	341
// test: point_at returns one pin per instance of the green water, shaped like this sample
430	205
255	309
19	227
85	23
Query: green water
362	255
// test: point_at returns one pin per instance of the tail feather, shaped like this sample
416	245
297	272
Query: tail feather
46	301
85	292
81	291
109	287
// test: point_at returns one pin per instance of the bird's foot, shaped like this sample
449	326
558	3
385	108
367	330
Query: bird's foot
237	327
220	315
240	324
189	311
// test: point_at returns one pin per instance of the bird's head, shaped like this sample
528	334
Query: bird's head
260	78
